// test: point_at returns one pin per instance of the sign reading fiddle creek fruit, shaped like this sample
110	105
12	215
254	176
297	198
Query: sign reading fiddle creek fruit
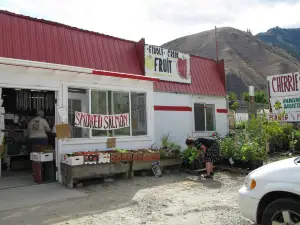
167	64
101	122
285	104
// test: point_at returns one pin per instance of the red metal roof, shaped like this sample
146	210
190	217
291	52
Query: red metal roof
208	78
33	39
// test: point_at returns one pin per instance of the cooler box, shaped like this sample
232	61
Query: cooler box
48	171
37	172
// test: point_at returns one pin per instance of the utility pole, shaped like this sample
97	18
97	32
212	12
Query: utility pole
217	47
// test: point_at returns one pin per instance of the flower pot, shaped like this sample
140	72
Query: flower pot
256	164
192	166
199	165
185	164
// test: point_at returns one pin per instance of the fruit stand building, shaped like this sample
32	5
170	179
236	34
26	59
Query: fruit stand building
98	74
190	101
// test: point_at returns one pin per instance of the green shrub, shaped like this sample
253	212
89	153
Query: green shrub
190	154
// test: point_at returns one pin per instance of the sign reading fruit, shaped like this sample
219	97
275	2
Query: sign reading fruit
167	64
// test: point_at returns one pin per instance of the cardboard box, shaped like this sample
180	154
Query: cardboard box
41	156
63	131
111	143
90	159
74	160
65	156
104	158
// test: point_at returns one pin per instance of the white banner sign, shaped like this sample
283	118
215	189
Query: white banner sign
286	117
284	85
167	64
285	104
101	122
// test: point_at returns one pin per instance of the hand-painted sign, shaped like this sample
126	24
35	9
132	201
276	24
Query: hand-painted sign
285	104
167	64
285	117
284	85
101	122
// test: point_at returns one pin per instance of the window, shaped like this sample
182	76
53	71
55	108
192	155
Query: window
204	115
109	103
138	114
77	101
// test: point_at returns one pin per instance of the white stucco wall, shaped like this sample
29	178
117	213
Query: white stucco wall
180	125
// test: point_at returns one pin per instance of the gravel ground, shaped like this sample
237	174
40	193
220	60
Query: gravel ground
175	198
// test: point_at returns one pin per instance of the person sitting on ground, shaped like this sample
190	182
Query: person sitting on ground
211	150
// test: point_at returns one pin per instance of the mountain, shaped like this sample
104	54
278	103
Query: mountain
287	39
248	60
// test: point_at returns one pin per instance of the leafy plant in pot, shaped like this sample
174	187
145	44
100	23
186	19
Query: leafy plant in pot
230	149
253	154
189	156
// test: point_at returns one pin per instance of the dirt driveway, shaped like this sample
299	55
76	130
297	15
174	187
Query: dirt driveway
173	199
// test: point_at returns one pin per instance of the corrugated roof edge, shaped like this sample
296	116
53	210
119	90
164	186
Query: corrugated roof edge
61	25
201	57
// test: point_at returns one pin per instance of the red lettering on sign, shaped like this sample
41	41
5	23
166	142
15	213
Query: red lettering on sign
286	83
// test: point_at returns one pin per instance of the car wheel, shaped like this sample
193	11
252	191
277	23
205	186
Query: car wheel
282	212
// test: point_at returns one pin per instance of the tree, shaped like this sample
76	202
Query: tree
245	96
234	106
232	96
260	97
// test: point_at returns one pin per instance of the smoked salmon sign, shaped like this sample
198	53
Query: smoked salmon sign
284	85
101	122
167	64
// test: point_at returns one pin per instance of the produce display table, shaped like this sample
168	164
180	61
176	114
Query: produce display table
142	165
73	173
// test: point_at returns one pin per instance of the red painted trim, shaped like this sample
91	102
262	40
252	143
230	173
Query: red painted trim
124	75
222	110
173	108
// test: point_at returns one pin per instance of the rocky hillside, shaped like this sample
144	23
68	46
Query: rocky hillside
248	60
287	39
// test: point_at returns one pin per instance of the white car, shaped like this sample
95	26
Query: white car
271	194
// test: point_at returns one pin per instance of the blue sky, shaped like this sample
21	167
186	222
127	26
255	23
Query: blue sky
160	21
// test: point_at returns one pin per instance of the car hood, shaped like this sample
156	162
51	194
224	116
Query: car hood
277	168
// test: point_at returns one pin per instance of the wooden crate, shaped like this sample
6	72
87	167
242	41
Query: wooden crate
137	156
115	157
156	156
126	157
147	157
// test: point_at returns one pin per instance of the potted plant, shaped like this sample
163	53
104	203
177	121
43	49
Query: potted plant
189	156
253	154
